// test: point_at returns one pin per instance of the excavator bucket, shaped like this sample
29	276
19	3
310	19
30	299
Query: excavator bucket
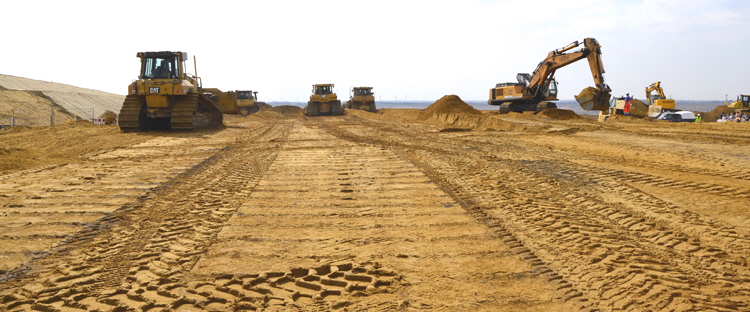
593	99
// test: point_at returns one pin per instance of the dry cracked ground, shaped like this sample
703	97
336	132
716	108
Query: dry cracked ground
352	213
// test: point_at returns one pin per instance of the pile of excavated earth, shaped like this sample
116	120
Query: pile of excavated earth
442	209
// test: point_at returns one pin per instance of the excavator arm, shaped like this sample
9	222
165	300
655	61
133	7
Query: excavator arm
561	57
590	98
656	86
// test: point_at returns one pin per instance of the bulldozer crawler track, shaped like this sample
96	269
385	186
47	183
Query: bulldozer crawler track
130	113
194	111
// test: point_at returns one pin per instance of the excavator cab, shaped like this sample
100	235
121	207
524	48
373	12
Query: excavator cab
550	89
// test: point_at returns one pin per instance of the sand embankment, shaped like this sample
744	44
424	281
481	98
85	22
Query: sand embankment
32	101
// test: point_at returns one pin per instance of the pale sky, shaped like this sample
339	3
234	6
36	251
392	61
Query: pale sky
404	49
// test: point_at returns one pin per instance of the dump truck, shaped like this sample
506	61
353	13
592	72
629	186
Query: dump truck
362	98
323	101
536	92
234	102
658	103
165	97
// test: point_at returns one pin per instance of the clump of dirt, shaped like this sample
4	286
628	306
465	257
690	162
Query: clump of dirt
559	114
449	104
716	113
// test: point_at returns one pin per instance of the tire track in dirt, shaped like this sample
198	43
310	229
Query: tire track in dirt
143	249
629	264
355	205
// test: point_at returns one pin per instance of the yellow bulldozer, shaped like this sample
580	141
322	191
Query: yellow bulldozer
536	92
362	98
166	97
742	104
658	103
323	101
243	102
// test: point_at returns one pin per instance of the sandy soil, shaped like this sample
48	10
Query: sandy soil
387	211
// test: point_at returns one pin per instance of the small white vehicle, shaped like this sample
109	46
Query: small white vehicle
678	116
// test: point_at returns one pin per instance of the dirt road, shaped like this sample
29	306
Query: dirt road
363	213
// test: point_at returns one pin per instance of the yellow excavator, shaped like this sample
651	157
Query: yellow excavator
536	91
658	103
166	97
323	101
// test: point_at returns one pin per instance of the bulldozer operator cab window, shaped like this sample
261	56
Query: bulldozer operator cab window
323	90
363	92
160	68
244	95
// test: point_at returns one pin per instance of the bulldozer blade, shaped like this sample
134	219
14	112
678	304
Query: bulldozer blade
593	99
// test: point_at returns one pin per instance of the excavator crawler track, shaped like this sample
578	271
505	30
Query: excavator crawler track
195	111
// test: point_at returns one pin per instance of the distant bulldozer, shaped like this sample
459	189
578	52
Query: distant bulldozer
323	101
234	102
166	97
362	98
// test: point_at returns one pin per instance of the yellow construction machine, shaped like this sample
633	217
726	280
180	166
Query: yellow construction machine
234	102
323	101
166	97
742	104
534	92
362	98
658	103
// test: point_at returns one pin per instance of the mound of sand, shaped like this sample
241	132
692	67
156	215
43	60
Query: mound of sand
449	104
287	109
716	113
558	114
278	112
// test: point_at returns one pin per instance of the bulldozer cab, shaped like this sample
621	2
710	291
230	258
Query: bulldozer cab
744	100
161	65
322	89
245	95
363	91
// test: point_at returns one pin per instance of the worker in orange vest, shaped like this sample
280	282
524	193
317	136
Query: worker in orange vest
626	109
